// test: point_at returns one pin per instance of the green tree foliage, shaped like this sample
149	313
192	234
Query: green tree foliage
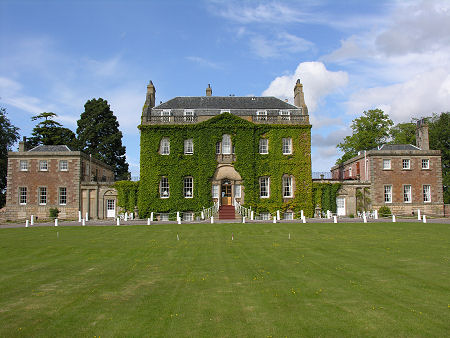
8	136
403	133
369	131
439	135
99	135
50	132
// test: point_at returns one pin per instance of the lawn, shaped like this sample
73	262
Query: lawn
375	279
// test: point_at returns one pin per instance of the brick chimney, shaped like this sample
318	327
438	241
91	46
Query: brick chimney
209	90
22	144
299	98
422	140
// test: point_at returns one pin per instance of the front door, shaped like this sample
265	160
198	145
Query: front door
226	192
110	208
340	203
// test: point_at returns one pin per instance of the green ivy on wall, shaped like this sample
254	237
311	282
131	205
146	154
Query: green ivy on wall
127	193
202	164
324	195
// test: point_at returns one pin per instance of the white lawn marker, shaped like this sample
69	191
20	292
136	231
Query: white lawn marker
87	217
328	214
418	214
132	215
212	219
151	216
274	219
376	214
243	219
289	236
393	219
83	222
118	221
252	215
32	219
56	222
232	236
79	216
148	221
179	220
278	215
178	238
424	218
335	219
26	223
178	215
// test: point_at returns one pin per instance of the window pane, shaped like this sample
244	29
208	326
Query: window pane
215	191
23	165
164	188
165	146
427	193
388	193
237	191
406	164
226	144
63	165
188	187
23	195
63	196
287	186
188	146
263	146
386	164
42	195
43	166
425	164
287	146
264	186
407	193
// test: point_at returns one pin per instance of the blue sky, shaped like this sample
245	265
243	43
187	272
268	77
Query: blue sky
350	55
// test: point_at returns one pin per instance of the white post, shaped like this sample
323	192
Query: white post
87	217
335	219
364	214
126	216
212	219
148	221
328	214
301	214
289	236
278	215
424	218
118	221
252	216
26	223
418	214
132	215
83	222
365	218
178	216
376	214
304	219
243	219
56	222
151	216
179	220
79	216
274	219
32	219
203	215
393	219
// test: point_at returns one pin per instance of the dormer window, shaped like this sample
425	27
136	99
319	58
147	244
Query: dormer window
189	115
165	115
261	115
285	115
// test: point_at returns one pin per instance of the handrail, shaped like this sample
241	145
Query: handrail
211	211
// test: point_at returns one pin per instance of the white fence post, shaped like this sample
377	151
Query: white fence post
418	214
151	216
243	219
376	214
212	219
335	219
364	218
252	216
424	218
202	215
301	214
274	219
56	222
126	216
278	215
83	222
118	221
79	216
393	219
148	221
32	219
26	223
87	217
304	219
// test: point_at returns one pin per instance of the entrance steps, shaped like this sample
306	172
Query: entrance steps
227	212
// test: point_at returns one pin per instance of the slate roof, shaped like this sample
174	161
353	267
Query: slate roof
225	102
397	147
53	148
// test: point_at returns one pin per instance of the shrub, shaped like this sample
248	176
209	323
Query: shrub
351	216
54	212
384	211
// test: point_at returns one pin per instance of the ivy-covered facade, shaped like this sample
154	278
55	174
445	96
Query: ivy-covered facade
196	151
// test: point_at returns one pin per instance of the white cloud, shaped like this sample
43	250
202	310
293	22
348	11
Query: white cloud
318	82
203	62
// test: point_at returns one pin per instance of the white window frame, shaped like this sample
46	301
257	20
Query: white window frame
263	146
386	164
407	193
62	197
43	165
237	191
349	171
406	164
264	187
215	191
388	193
261	115
188	216
63	167
288	216
189	146
164	217
286	146
164	147
426	189
288	187
23	165
23	195
189	115
188	187
425	163
226	144
164	187
165	115
264	216
285	115
42	195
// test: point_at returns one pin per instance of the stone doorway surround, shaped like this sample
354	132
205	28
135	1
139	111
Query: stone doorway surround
226	173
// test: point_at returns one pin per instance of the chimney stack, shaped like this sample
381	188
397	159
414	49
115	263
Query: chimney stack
299	98
22	144
151	95
209	90
422	140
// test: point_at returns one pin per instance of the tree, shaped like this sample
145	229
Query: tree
439	136
404	133
8	136
369	131
50	132
99	135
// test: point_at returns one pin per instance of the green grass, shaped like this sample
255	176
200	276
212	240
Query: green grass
385	279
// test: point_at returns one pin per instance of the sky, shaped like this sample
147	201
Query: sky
351	56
